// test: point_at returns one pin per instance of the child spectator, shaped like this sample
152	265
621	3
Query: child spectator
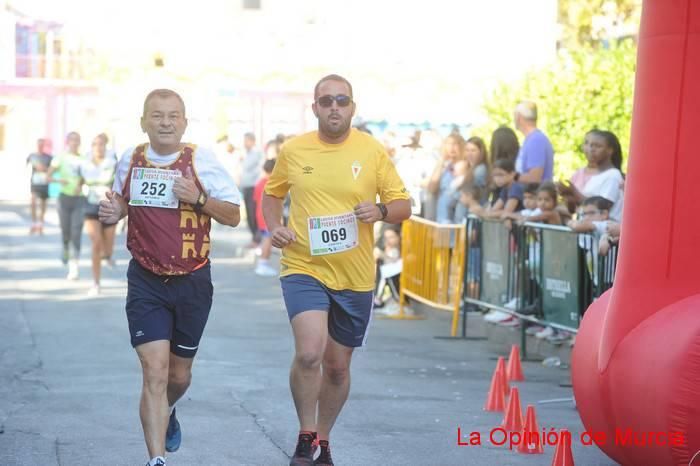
511	192
546	205
263	268
388	265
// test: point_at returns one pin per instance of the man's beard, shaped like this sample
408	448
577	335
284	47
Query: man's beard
334	131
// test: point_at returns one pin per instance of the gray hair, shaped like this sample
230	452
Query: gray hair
527	110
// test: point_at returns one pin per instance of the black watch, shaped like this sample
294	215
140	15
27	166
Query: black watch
383	210
201	200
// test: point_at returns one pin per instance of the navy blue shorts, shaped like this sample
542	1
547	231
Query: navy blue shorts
175	308
349	312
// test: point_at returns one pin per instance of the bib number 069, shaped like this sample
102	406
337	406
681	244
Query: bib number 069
334	235
153	188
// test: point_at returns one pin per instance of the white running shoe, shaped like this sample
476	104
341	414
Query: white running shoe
534	329
546	333
513	304
94	291
73	270
496	316
265	270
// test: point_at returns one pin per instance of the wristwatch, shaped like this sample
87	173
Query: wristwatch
201	200
382	208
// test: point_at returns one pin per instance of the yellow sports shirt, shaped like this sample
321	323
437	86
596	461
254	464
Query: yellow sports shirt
328	180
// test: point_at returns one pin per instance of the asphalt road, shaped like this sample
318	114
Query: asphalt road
70	381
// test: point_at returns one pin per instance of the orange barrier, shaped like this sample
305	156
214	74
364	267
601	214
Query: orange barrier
433	265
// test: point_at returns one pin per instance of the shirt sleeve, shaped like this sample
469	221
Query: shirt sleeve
122	171
215	179
278	183
516	191
390	187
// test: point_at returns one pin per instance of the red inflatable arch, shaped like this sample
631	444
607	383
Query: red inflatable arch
636	363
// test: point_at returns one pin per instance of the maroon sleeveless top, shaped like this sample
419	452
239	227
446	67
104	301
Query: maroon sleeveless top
167	241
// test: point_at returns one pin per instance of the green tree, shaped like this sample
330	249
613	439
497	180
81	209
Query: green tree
590	22
584	89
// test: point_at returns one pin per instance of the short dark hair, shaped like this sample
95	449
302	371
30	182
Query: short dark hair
599	201
163	94
531	188
249	135
331	77
549	188
507	165
269	165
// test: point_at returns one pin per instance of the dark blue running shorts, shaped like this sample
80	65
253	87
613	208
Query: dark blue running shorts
168	307
349	312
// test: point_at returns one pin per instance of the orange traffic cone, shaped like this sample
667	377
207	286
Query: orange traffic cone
531	441
563	455
495	401
501	370
513	420
514	370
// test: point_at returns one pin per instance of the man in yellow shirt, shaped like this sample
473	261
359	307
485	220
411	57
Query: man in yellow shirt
334	176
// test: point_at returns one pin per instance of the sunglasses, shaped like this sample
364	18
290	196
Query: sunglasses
342	100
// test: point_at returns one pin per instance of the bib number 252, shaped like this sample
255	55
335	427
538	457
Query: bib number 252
153	188
328	236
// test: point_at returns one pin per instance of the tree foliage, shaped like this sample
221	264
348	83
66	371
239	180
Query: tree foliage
583	89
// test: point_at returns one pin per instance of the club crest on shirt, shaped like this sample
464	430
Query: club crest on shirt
356	168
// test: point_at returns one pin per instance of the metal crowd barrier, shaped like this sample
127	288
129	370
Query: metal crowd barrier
540	273
433	265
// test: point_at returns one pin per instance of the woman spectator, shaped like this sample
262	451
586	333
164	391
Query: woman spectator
603	150
477	174
448	176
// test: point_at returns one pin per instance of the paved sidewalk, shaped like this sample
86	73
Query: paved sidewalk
70	382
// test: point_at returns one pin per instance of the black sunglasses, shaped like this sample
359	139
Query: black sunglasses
326	101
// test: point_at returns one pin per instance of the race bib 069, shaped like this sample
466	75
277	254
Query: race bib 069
153	187
332	234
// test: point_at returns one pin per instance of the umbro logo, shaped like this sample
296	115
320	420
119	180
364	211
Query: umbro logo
307	170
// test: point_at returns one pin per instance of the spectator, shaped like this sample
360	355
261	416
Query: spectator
447	177
263	268
477	173
530	208
388	274
504	145
603	149
535	162
414	165
251	162
511	192
546	205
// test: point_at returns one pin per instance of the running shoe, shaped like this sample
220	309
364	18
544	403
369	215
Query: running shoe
265	270
324	459
159	462
173	436
304	453
94	291
547	332
73	270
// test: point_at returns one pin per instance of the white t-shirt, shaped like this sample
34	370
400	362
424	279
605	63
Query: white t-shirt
217	182
98	178
607	185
